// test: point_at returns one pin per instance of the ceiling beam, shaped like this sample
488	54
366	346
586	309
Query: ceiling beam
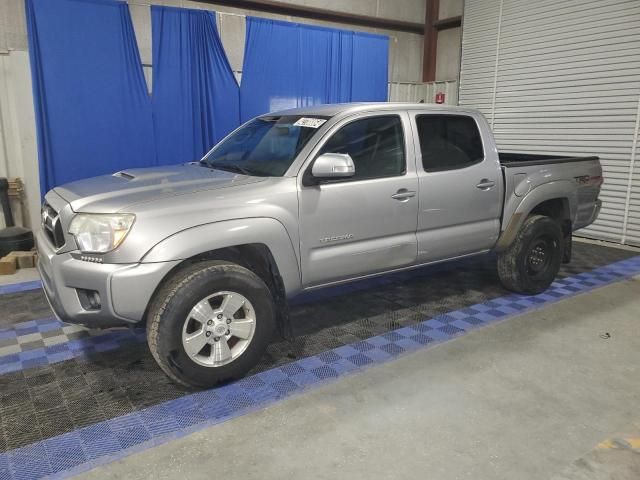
303	11
447	23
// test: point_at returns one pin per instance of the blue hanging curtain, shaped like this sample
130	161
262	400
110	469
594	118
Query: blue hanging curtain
195	95
288	65
93	111
370	74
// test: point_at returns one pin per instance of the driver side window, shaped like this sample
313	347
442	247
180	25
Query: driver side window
375	144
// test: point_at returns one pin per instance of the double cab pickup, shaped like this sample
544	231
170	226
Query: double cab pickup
207	254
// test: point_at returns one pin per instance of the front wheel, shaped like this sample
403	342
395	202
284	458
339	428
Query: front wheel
210	324
532	261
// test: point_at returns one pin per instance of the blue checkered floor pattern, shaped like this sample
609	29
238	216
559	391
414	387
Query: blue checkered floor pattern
106	441
36	343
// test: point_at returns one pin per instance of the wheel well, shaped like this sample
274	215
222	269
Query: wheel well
253	256
556	208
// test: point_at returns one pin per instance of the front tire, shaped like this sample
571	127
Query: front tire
210	324
532	261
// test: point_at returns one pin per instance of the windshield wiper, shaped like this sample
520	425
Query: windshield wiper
230	168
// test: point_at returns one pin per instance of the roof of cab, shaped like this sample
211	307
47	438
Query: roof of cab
330	110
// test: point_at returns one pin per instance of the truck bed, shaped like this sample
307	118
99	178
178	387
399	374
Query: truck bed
525	159
576	178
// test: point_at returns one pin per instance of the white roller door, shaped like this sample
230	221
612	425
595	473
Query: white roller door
562	77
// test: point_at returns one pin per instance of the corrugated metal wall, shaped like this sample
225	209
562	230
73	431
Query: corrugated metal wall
423	92
562	77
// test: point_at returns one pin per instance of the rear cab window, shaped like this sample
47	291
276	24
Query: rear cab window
448	142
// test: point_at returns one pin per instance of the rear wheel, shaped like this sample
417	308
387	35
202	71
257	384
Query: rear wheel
533	260
210	324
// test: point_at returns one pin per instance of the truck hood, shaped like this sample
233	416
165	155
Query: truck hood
122	190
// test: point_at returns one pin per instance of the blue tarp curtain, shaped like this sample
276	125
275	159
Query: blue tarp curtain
93	111
195	95
95	116
288	65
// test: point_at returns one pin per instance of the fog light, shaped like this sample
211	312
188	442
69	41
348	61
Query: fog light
89	299
94	300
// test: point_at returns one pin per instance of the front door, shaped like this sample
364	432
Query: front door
367	223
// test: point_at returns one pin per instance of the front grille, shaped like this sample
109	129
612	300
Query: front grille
51	225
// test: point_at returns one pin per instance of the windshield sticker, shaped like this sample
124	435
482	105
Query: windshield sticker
310	122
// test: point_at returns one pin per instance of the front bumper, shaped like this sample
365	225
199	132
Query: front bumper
124	289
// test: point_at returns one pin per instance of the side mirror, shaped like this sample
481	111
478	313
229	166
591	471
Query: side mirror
333	165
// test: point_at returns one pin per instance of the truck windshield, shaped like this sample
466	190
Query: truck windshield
265	146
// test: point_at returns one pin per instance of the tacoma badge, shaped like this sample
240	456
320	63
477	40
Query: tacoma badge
336	238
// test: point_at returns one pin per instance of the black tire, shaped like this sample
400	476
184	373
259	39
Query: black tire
533	260
173	302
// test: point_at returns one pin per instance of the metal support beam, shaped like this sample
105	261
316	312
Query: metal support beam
430	41
303	11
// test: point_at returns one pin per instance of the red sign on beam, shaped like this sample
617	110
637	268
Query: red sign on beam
440	97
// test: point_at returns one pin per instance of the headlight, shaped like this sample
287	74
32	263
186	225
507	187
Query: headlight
98	233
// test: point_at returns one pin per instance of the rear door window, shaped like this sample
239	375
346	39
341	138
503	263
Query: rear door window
448	142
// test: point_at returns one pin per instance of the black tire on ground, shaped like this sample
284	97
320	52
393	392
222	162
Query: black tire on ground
170	308
533	260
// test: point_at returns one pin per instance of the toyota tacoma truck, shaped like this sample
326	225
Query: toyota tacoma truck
208	253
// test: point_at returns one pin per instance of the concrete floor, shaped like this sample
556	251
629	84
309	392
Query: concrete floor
21	275
616	458
521	399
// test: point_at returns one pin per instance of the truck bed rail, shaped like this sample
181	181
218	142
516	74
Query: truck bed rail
525	159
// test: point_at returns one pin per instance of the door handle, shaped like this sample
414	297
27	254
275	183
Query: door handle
485	184
403	194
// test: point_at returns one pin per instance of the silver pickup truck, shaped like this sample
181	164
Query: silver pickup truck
208	253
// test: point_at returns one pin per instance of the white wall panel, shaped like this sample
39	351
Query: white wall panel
18	151
631	223
562	77
423	92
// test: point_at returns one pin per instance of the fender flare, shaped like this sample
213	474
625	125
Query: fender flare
560	189
230	233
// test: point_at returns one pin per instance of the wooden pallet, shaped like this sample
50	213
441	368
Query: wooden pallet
16	188
17	259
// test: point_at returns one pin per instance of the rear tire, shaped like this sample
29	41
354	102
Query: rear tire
532	261
188	324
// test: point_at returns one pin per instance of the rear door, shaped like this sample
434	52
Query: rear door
365	224
460	184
